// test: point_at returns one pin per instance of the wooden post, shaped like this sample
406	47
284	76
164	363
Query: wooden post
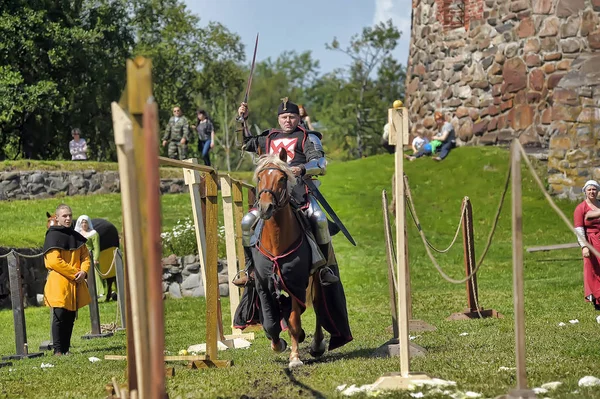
153	247
94	312
129	137
472	311
238	214
195	185
402	379
16	298
120	278
214	323
519	300
230	244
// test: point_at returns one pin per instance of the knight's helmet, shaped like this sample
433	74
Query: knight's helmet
397	104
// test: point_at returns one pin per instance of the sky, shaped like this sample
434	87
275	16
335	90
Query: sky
284	26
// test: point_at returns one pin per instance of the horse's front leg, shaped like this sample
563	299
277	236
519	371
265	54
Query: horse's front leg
295	330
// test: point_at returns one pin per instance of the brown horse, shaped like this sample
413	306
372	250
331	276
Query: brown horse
282	257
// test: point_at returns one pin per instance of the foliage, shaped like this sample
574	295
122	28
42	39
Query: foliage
181	239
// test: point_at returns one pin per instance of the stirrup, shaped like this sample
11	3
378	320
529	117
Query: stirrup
241	282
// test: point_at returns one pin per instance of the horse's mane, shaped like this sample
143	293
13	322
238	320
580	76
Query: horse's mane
273	159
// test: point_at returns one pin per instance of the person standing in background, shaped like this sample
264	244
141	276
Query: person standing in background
77	146
206	135
177	135
305	121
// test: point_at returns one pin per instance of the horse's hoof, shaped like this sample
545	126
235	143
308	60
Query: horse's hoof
280	347
317	350
296	362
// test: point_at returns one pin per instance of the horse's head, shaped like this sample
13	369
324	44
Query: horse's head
52	220
275	181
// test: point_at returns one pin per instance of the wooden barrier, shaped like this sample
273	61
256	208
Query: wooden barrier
16	298
94	312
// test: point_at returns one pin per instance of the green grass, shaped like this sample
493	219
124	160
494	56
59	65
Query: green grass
553	292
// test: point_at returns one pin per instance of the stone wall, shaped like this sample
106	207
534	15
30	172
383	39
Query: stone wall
181	277
46	184
500	76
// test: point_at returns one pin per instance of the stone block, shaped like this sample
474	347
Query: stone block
566	8
550	27
549	44
565	97
590	115
548	68
492	125
594	40
554	79
589	21
570	45
465	131
493	110
514	75
526	28
533	97
576	155
520	117
565	113
533	60
536	79
508	104
564	65
489	138
532	45
541	6
496	79
480	127
570	27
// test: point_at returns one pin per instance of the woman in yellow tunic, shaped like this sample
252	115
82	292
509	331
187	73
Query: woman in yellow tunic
67	259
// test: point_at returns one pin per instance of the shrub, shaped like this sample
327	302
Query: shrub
181	240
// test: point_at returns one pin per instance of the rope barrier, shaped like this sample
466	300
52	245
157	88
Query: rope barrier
12	251
418	226
488	244
103	275
551	201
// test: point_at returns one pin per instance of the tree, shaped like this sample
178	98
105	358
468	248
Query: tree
367	51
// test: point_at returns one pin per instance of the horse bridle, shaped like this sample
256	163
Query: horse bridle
279	201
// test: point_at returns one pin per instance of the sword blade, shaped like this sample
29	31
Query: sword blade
315	191
249	84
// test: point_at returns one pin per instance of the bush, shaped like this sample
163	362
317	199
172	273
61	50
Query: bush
181	240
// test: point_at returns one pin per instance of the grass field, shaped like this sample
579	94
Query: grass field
553	292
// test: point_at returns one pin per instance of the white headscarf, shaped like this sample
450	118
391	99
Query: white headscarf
78	229
590	183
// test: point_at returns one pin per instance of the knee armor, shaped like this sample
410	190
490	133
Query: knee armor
318	221
248	222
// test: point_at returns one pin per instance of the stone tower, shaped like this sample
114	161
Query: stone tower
504	69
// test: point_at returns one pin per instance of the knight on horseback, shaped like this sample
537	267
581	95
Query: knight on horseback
307	160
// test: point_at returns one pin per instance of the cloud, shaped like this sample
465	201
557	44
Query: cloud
397	10
400	12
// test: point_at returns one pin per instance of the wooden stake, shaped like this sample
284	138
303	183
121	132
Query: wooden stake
153	250
230	244
214	323
519	300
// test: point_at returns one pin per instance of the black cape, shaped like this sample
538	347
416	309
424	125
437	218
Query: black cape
59	237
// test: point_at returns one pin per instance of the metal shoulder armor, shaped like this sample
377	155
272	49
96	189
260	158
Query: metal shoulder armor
316	140
316	167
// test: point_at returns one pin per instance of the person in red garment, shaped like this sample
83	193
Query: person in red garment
586	220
